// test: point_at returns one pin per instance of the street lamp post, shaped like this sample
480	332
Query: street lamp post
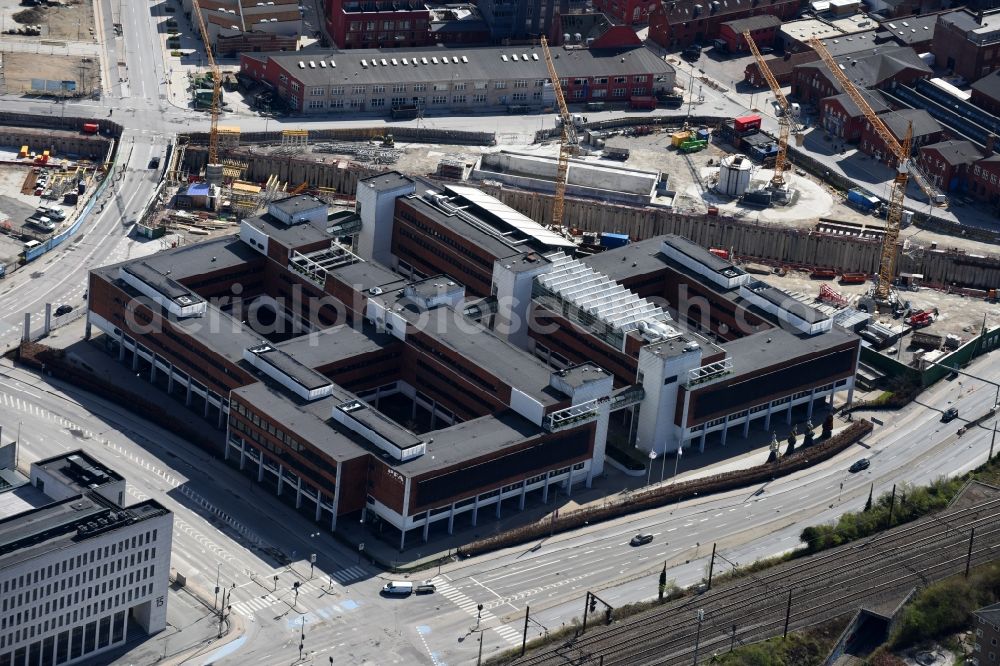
479	617
312	565
218	571
677	460
649	467
295	586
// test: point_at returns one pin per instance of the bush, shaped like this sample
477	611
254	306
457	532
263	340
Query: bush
911	503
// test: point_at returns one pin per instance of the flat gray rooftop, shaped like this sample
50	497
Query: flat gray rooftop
291	236
491	243
390	180
292	205
55	526
324	347
199	258
162	282
772	347
298	371
696	252
364	275
78	470
514	367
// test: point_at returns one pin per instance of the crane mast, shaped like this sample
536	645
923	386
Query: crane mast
894	214
213	137
566	142
784	122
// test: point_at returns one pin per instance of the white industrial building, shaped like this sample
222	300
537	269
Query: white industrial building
78	569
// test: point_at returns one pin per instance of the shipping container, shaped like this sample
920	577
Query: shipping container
614	240
692	146
90	128
719	252
613	153
746	123
823	274
703	134
677	138
926	340
853	278
645	103
23	152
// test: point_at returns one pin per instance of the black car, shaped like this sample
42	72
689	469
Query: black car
641	539
63	309
425	588
950	414
154	163
864	463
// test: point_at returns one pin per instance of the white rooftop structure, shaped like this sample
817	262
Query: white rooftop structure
522	223
600	303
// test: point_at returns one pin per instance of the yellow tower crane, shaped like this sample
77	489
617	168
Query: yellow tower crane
882	295
784	121
567	140
213	136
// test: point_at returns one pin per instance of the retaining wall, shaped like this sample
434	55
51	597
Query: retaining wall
769	243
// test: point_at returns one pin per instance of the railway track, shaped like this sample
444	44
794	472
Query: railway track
822	586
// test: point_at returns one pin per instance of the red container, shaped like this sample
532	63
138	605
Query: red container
719	252
823	274
643	103
90	128
853	278
746	123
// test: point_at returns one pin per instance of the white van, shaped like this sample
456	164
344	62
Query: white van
398	587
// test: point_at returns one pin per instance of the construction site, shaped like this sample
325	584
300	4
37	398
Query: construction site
722	183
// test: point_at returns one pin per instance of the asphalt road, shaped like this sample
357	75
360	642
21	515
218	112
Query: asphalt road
225	525
223	522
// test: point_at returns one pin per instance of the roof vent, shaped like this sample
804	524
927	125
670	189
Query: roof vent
465	59
407	63
534	56
503	57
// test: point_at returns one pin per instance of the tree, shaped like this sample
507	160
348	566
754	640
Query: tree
807	439
868	504
791	442
663	581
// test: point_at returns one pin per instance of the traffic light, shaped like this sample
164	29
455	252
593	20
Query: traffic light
607	616
593	603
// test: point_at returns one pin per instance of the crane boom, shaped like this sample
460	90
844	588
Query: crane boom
784	122
567	140
213	136
933	195
894	213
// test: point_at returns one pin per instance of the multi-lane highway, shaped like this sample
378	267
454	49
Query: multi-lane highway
224	521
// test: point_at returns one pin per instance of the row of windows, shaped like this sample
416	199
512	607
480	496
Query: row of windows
19	632
473	278
10	602
457	368
450	396
77	561
69	644
428	230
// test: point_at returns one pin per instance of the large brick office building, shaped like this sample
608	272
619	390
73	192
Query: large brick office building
400	381
455	79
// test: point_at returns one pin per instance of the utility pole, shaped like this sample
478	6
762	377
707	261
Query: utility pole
586	607
524	636
968	558
697	635
788	614
479	660
711	567
732	642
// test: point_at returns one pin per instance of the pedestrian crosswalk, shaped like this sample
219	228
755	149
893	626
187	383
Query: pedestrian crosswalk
487	618
251	606
345	576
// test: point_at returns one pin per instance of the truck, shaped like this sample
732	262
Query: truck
862	201
920	318
642	103
747	124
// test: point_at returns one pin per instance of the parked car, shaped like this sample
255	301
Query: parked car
862	464
63	309
950	414
692	52
641	539
425	587
398	588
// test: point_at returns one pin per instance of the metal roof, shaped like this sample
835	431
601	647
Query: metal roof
598	295
509	216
